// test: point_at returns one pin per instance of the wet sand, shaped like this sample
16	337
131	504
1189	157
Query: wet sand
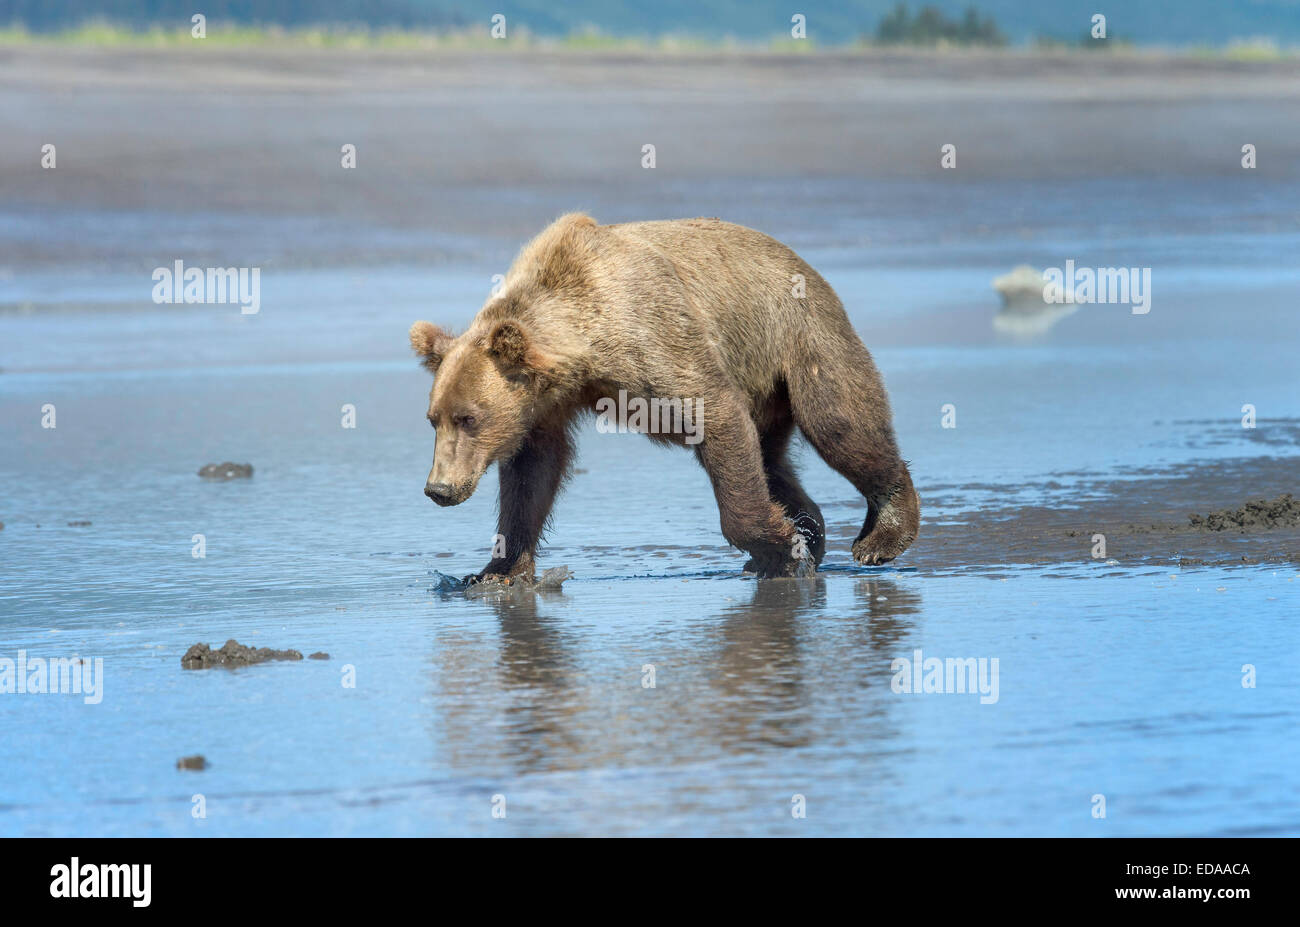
462	154
232	155
1147	516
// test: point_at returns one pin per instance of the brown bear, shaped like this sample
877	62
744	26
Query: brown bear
693	314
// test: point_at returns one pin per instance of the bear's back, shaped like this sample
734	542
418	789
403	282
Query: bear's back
746	287
711	256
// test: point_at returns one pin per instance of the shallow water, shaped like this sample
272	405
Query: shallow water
1121	680
1121	686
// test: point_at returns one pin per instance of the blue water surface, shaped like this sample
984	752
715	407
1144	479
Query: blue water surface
434	710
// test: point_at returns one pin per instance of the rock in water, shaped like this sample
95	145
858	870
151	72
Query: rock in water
226	471
232	654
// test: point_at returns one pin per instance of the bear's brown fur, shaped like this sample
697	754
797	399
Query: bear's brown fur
688	309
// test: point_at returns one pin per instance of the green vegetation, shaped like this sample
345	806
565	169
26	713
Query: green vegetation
931	27
109	34
609	24
41	16
105	34
899	28
1254	50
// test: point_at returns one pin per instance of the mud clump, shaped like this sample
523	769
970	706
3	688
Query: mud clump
318	655
226	471
198	761
1282	512
233	654
551	580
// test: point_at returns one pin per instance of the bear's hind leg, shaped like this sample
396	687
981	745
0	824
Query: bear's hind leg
848	421
892	525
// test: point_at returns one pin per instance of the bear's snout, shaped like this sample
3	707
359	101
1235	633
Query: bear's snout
441	493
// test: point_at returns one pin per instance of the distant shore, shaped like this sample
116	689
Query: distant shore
101	33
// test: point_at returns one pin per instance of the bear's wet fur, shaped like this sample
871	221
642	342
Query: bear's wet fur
686	309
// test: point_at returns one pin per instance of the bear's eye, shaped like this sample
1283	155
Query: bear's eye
466	421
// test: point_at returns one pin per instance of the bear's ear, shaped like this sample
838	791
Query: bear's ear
431	343
513	349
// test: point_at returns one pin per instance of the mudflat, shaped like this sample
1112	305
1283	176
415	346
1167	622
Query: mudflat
459	151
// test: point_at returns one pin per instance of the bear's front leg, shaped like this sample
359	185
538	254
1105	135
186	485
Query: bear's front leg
529	481
500	570
750	519
775	546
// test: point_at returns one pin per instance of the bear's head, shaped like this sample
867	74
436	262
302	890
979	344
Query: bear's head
484	401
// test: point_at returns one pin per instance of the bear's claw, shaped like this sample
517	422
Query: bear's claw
879	547
896	527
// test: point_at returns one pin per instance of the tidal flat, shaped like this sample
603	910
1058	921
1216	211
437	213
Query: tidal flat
660	690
